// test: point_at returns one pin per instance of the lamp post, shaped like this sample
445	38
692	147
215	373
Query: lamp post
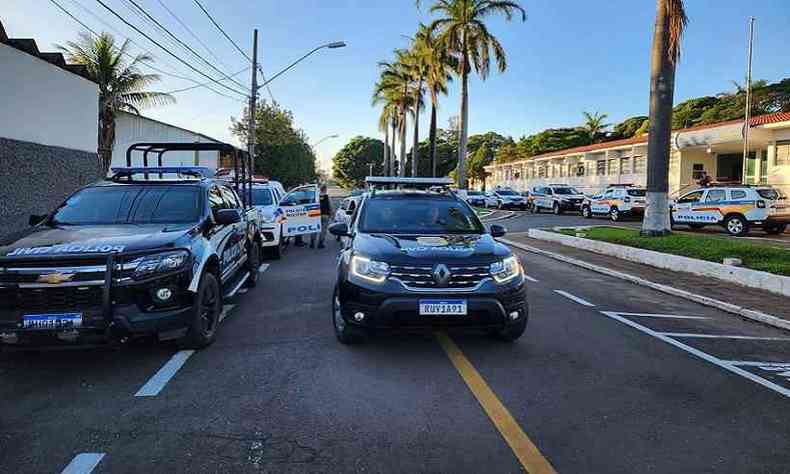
323	140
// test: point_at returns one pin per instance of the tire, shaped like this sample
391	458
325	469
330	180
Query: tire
776	229
253	265
206	310
736	226
696	225
586	212
344	333
513	332
614	215
557	209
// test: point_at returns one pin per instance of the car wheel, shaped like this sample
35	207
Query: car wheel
736	226
345	334
586	212
514	331
556	209
776	229
614	214
206	310
253	265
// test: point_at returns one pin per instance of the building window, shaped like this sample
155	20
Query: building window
580	169
782	153
639	165
697	170
611	167
625	165
600	167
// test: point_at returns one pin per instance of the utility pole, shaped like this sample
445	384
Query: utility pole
251	138
746	124
370	168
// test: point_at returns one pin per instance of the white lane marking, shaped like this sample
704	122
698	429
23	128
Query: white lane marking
83	463
668	316
226	309
574	298
702	355
722	336
263	267
167	372
757	363
529	278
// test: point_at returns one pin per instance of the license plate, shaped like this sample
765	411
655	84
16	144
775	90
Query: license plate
52	321
442	307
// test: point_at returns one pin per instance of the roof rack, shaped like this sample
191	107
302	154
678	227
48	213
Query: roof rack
372	181
198	172
242	163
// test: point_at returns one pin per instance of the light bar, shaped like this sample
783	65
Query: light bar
381	180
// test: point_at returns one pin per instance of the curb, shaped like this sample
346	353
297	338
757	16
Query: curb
507	216
747	313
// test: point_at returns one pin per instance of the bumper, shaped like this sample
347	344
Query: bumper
270	235
571	206
400	310
514	205
777	220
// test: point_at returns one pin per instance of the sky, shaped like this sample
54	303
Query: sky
569	56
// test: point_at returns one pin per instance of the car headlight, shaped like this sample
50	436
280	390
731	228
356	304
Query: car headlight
505	270
368	269
165	262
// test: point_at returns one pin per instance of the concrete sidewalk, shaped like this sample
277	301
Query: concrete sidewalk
748	298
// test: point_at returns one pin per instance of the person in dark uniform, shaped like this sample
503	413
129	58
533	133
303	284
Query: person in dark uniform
704	180
326	214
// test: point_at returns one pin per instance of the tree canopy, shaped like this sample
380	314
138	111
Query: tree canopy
282	151
352	163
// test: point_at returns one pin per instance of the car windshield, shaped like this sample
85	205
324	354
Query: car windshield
507	192
131	205
566	191
262	197
474	193
636	192
418	215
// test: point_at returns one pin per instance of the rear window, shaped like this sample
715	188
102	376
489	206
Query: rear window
566	191
636	192
403	215
262	197
771	194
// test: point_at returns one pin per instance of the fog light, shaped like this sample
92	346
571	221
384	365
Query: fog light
164	294
9	337
359	316
514	315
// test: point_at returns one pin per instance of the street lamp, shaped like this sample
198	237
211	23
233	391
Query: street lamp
332	45
323	140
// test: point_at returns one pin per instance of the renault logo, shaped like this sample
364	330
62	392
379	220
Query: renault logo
55	278
441	275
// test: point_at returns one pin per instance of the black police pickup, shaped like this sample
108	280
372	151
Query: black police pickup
149	252
421	259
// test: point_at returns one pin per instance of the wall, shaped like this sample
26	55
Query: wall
35	178
130	129
42	103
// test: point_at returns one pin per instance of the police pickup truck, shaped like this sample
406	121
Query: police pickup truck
420	259
151	251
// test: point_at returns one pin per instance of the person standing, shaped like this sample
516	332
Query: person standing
326	214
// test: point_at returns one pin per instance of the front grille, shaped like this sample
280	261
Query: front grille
51	299
418	277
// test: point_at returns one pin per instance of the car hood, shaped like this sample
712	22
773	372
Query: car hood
429	249
267	211
75	240
571	196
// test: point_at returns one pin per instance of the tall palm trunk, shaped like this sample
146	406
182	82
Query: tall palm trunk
402	138
393	155
386	164
463	131
662	89
415	154
106	139
433	139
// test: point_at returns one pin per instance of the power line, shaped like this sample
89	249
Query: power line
222	31
92	31
191	33
203	84
135	28
169	33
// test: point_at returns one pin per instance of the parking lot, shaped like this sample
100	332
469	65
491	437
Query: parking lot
610	377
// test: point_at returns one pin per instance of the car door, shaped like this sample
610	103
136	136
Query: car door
300	211
683	210
709	209
547	200
597	204
219	235
234	253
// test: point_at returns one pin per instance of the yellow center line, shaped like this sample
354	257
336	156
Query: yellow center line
525	450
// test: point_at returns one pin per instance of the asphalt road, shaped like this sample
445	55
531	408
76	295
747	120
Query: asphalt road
609	378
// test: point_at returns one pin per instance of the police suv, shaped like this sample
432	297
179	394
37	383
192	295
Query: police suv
421	259
557	198
736	208
152	251
506	198
617	202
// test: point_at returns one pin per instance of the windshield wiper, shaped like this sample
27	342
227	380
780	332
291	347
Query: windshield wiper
393	239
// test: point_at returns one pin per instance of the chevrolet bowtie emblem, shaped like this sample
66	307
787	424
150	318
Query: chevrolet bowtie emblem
55	278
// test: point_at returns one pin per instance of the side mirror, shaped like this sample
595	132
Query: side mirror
498	230
227	216
339	229
36	219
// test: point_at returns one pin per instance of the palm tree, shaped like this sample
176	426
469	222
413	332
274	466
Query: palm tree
594	124
437	75
394	85
416	64
388	116
462	32
121	84
671	20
